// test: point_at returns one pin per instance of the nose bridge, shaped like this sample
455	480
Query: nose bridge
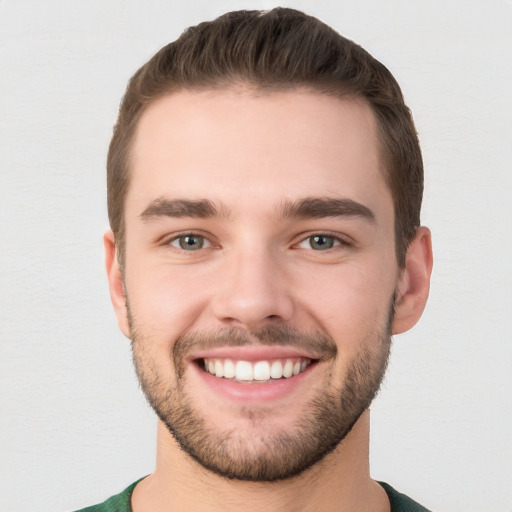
252	289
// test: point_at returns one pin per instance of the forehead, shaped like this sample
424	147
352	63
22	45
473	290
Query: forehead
204	144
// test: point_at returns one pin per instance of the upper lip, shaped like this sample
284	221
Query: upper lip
253	353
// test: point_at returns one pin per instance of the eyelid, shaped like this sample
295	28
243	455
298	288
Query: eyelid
168	239
340	239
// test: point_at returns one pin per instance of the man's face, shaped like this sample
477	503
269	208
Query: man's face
260	274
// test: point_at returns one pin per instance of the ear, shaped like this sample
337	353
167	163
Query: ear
413	282
115	283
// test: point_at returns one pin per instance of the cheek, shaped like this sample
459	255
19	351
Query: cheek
351	302
164	302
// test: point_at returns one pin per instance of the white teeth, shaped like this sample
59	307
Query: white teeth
276	370
257	370
261	370
229	369
243	370
288	369
219	368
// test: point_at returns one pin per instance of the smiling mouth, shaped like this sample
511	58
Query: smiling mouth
254	371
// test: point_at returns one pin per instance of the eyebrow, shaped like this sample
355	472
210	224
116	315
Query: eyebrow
308	208
321	207
162	207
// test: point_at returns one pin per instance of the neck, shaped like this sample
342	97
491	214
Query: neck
341	482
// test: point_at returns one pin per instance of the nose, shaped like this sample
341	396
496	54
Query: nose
253	291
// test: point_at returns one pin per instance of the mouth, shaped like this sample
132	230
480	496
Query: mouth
259	371
255	375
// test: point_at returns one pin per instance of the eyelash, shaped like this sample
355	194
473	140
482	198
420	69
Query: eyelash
337	241
177	237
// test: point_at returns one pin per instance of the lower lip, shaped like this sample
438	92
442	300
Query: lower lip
254	391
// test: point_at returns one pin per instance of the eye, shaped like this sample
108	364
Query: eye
319	242
189	242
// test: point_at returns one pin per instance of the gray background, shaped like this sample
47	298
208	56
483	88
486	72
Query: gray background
74	426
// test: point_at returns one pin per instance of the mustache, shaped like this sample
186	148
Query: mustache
319	345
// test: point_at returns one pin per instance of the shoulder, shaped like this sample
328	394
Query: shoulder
400	502
119	503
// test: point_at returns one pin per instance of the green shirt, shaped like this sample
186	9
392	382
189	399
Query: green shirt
121	502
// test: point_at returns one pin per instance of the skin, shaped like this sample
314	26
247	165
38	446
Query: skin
249	154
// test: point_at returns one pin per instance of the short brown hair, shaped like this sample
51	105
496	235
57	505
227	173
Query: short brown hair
279	49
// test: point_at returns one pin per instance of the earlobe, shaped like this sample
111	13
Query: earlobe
414	282
115	282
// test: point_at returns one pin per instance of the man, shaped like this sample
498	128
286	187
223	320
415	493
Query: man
264	190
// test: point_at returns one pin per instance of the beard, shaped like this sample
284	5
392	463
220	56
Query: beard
266	455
